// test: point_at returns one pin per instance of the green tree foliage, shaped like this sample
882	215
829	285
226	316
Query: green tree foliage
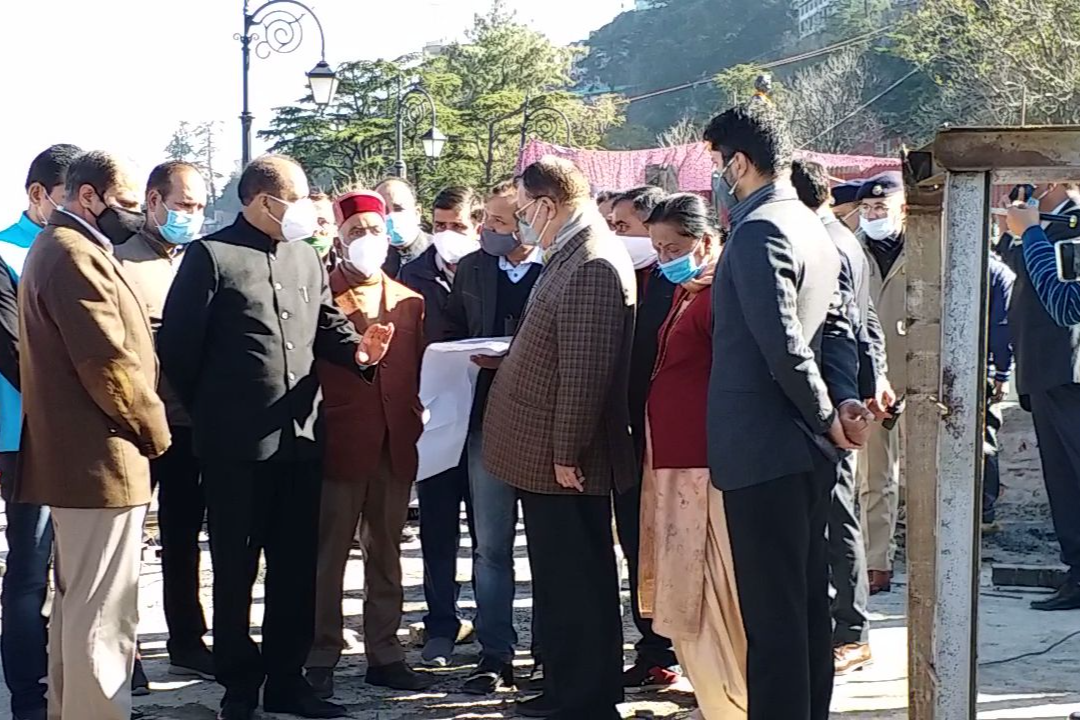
995	62
197	145
181	146
479	88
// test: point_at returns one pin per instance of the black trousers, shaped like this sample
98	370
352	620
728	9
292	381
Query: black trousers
991	466
652	650
255	508
1057	427
847	560
576	592
778	543
181	509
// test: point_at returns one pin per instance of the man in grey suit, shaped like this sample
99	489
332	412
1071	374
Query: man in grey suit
774	432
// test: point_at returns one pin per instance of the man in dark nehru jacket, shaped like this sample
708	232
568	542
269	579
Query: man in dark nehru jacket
248	315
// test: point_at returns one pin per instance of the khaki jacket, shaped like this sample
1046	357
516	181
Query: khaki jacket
151	267
92	418
889	294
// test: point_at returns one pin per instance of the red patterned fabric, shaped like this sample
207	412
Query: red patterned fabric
356	202
624	169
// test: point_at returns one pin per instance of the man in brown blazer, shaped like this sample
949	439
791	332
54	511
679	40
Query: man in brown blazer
557	429
370	459
92	422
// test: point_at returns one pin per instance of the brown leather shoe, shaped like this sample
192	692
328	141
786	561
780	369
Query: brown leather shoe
851	658
880	581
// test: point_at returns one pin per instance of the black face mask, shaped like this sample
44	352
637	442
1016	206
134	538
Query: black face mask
119	224
498	244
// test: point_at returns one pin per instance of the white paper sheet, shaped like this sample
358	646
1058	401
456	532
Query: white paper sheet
447	385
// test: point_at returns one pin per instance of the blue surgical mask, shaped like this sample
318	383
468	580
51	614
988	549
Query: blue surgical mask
682	269
179	228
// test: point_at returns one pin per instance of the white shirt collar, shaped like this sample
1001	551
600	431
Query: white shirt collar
104	241
519	271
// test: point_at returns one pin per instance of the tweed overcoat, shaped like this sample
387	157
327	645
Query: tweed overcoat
560	396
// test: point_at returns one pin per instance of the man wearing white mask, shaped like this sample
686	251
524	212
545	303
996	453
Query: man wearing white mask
652	668
458	213
883	210
408	241
248	314
370	461
175	207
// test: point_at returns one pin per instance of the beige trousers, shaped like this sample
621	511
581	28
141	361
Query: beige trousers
714	659
380	504
879	495
95	613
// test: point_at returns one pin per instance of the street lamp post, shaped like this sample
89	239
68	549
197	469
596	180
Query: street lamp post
433	140
544	119
284	33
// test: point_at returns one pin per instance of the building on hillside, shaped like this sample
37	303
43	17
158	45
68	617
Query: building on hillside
813	16
435	48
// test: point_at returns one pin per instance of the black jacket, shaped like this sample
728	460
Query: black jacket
243	324
769	407
860	310
398	258
9	325
471	313
1047	355
655	293
422	275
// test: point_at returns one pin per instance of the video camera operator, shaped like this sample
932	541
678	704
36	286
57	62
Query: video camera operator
1044	316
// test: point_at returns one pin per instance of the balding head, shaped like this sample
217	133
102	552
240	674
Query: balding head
275	175
268	186
398	195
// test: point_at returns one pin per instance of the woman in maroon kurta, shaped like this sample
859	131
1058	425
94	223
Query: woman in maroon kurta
687	581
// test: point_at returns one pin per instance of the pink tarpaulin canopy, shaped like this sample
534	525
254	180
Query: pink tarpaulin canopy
624	169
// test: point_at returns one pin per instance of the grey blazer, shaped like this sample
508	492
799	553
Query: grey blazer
769	408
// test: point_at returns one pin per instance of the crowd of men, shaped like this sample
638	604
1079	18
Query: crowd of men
745	442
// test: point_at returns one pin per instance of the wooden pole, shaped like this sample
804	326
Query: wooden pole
923	253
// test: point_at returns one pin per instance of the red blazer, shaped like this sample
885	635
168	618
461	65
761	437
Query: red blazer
678	395
363	418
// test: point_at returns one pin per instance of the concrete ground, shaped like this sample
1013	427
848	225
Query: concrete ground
1028	660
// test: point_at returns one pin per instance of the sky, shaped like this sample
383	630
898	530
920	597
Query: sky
120	75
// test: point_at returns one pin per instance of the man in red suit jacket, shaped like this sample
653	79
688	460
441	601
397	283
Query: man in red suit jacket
370	462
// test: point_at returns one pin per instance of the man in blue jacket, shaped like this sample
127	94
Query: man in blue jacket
1043	319
23	629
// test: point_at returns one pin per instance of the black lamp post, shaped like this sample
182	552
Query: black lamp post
433	140
284	33
544	121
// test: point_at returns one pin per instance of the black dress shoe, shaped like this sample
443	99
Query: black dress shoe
398	676
236	710
140	686
1067	597
321	681
300	700
196	662
489	676
541	706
